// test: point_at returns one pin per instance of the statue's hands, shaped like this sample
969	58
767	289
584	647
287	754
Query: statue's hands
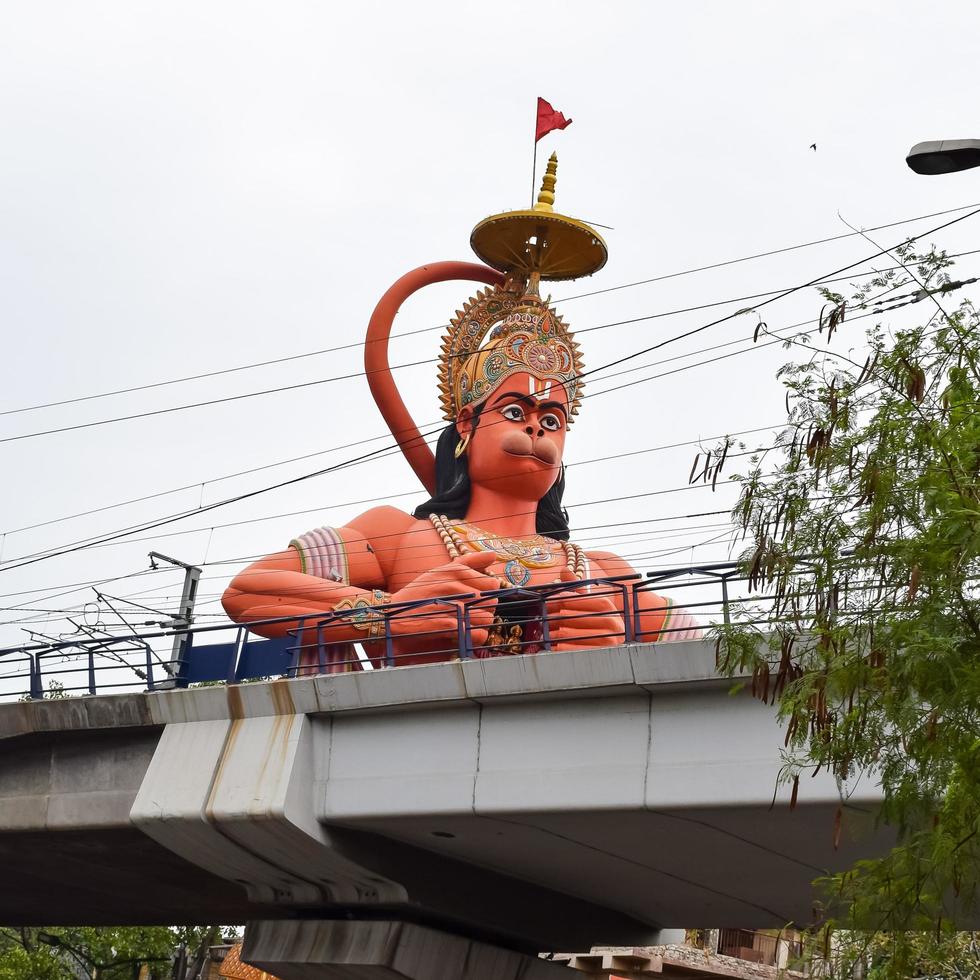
578	618
464	576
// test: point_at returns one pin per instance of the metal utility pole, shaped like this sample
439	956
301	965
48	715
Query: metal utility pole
185	611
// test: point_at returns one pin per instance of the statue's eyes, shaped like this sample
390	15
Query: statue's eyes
550	422
513	413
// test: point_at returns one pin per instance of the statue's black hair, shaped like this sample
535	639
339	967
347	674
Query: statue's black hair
452	496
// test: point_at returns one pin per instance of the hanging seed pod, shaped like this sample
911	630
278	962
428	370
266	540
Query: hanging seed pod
791	731
913	583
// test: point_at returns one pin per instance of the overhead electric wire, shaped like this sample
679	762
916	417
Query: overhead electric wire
776	339
398	537
628	538
773	299
196	485
774	294
76	587
237	559
147	526
410	333
416	493
171	519
315	509
79	585
203	483
30	560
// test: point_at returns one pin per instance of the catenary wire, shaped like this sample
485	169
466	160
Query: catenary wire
26	560
774	295
221	503
629	370
410	333
777	339
201	484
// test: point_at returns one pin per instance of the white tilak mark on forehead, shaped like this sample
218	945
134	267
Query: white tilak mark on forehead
538	387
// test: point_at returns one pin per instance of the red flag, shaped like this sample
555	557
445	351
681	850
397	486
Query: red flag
548	119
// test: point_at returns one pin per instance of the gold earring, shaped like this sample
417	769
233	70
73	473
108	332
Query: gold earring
462	444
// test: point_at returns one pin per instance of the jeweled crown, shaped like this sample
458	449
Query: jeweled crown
523	333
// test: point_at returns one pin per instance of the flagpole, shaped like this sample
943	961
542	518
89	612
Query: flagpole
534	158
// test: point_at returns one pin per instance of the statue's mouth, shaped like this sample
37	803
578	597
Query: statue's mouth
532	455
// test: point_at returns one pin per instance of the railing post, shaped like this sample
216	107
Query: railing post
724	600
297	651
635	613
466	650
241	639
545	628
321	657
628	631
91	671
389	645
461	631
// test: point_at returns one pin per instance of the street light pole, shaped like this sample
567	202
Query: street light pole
185	612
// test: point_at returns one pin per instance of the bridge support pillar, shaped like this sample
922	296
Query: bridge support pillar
341	949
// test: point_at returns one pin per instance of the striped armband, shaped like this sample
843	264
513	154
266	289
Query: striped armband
322	553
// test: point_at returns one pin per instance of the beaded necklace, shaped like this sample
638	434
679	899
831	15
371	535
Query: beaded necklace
519	555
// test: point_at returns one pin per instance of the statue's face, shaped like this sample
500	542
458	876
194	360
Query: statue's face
518	442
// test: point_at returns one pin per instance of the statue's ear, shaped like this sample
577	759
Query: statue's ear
464	423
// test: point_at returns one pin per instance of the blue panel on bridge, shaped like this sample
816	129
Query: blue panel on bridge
216	662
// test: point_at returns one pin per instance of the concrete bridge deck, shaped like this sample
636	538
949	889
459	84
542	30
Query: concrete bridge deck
552	801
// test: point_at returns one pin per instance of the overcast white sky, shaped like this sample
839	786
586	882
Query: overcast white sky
187	187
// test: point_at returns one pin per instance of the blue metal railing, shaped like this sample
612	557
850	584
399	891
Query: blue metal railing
93	665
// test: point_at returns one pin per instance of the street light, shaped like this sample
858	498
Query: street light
944	156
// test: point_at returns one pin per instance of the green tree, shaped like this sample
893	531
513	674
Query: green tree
923	955
863	526
101	952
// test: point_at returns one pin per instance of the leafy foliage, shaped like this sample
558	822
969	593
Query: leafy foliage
865	558
98	953
919	956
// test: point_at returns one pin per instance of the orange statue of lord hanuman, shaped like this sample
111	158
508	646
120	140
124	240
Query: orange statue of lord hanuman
510	385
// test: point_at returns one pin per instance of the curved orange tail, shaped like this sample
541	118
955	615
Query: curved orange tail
382	384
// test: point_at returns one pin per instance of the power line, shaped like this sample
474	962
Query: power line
777	339
147	526
777	251
203	483
416	493
331	585
629	538
410	333
173	518
775	294
773	299
195	486
99	539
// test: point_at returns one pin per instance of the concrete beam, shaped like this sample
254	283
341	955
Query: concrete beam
539	802
342	950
